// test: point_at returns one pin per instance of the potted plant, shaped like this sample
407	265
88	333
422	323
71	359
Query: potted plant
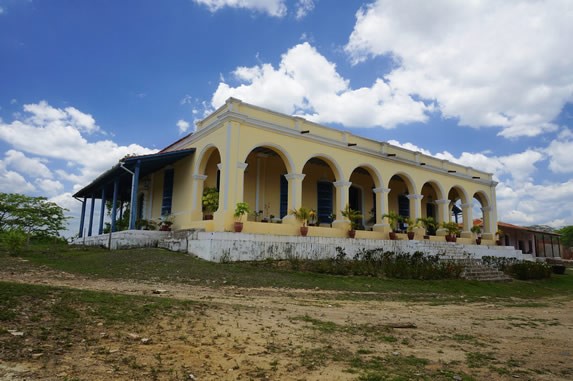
453	229
354	216
165	222
393	219
210	201
476	229
242	209
256	215
499	234
303	214
429	224
410	228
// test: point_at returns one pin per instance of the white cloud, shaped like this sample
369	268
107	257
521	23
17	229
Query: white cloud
488	63
29	166
182	125
276	8
303	8
13	182
50	187
307	84
49	135
560	153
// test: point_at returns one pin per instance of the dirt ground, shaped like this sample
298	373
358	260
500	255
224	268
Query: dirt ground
285	334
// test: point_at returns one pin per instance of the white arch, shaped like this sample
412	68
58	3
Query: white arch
202	160
338	173
438	188
410	183
284	155
376	176
461	190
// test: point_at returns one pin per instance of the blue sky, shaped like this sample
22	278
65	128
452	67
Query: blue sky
487	84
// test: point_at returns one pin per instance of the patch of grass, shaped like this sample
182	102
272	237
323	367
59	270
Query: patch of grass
479	359
165	266
59	315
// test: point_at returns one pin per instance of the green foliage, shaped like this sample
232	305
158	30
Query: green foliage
566	235
393	219
476	229
123	210
378	263
429	224
523	270
353	215
143	224
210	200
241	210
34	216
451	227
13	240
303	214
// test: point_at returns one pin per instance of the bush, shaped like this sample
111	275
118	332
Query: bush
378	263
523	270
14	241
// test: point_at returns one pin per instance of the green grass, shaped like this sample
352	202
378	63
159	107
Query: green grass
71	307
165	266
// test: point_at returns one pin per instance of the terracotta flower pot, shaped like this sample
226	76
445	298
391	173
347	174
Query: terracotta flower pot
351	233
303	231
238	226
411	235
207	217
392	235
478	241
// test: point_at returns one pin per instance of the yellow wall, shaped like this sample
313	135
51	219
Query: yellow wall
230	135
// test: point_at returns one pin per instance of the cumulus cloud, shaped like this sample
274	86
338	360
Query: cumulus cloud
182	125
33	167
276	8
559	151
307	84
488	63
44	135
303	8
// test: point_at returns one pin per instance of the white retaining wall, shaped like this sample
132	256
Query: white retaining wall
125	239
248	247
240	247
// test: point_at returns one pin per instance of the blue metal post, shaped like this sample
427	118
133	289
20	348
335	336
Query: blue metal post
114	204
91	224
133	204
101	212
82	218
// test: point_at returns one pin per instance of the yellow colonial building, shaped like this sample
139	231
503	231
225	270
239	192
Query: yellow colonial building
277	163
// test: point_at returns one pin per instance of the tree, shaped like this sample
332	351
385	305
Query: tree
34	216
566	235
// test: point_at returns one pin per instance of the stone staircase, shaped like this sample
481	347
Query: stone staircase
474	269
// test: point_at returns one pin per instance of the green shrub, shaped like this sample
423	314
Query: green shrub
523	270
14	241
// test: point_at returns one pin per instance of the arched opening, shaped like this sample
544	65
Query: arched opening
457	199
207	184
265	186
481	210
361	196
398	201
318	191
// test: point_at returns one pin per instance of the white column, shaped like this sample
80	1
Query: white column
443	215
381	209
342	188
196	196
489	226
240	181
416	199
468	220
294	195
